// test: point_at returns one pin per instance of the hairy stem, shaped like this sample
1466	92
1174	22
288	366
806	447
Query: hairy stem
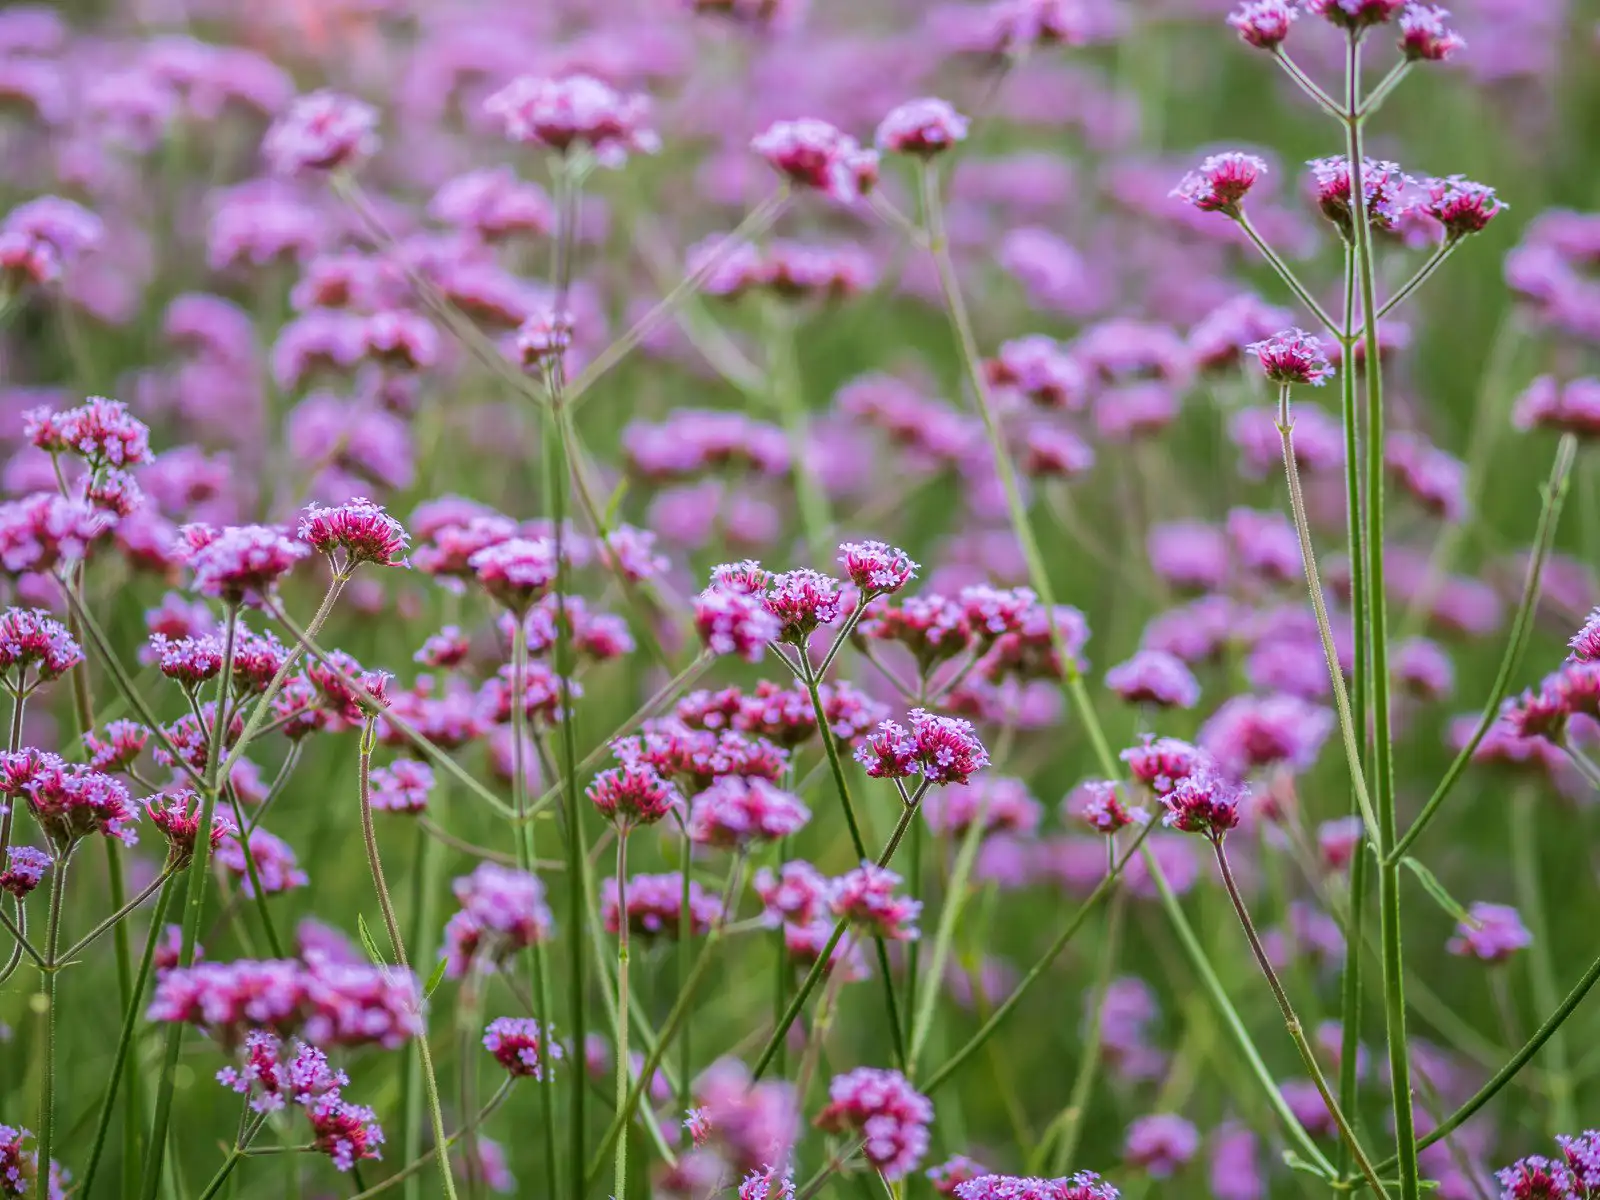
620	1189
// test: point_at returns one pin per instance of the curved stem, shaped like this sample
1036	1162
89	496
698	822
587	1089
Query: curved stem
1555	494
193	908
1306	84
1291	1020
369	836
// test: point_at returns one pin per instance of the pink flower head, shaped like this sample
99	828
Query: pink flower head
1161	1143
633	795
747	578
24	871
921	127
402	787
1039	368
1204	803
934	628
876	568
1583	1157
731	622
1160	764
1573	408
798	892
1098	803
1264	24
1085	1185
1221	182
70	801
544	337
32	640
276	867
1494	934
345	1132
750	1124
866	897
952	1173
888	752
1356	14
1338	841
1293	356
655	907
503	910
352	701
520	1046
1585	644
1250	732
882	1107
323	131
1002	802
360	528
1537	1178
177	815
801	601
241	563
992	612
102	432
814	154
947	748
116	746
734	813
1155	677
1424	36
769	1183
517	571
576	110
1460	205
1381	183
273	1080
41	236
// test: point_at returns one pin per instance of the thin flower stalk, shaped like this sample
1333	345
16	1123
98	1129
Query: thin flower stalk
620	1190
1424	273
94	935
1307	84
1386	831
47	999
1555	495
193	910
1286	273
425	879
391	924
408	1172
949	917
1291	1020
1083	1082
788	398
1526	869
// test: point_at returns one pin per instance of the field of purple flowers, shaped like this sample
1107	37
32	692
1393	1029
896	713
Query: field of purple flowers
688	598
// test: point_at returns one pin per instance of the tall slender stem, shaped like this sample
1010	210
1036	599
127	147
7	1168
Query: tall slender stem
783	370
1377	620
620	1189
1285	273
1291	1020
1523	835
425	867
1089	1065
193	909
47	991
369	834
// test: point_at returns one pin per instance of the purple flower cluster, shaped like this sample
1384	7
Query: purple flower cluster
882	1107
503	910
520	1046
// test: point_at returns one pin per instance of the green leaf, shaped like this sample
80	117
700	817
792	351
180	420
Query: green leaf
1296	1163
436	978
614	505
1430	884
367	943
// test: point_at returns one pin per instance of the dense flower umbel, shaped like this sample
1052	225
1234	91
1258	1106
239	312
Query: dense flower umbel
1585	644
358	528
1381	182
1461	205
1161	1143
272	1081
953	1172
517	571
323	131
655	906
69	800
922	127
1161	763
177	816
749	1124
1424	36
1155	677
876	568
544	337
242	563
731	622
24	870
328	1003
30	639
345	1132
1538	1178
578	110
633	795
942	749
1085	1185
734	813
1583	1158
41	237
1573	407
814	154
1100	805
883	1108
1264	24
102	432
1204	802
1495	933
519	1045
866	897
803	600
1293	356
769	1183
19	1168
1221	182
403	786
277	868
502	911
1356	14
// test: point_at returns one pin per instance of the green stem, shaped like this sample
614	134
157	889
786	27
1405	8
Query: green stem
978	1040
1291	1020
1555	494
409	1171
130	1021
1306	84
369	834
1286	273
425	882
949	916
620	1188
830	747
83	943
783	368
1424	273
1072	1117
1525	866
47	991
685	931
1377	619
193	909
